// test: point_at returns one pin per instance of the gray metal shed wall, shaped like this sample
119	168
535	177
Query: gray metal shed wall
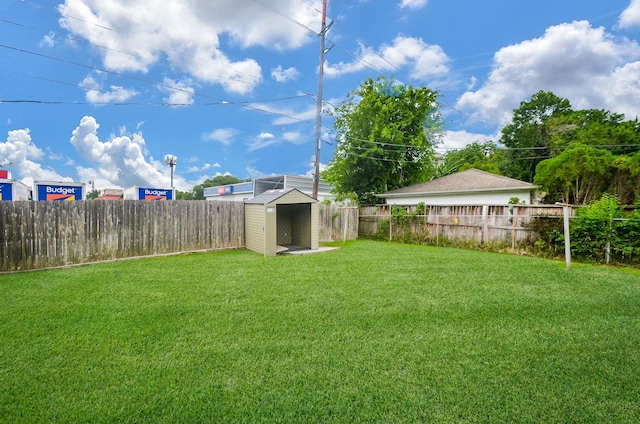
254	220
315	224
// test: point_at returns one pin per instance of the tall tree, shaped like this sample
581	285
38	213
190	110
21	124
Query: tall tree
386	133
635	179
625	178
528	136
598	128
603	130
485	156
578	175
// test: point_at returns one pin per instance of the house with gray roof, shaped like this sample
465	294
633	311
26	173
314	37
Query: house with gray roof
470	187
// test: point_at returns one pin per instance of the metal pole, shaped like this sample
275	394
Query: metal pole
316	175
607	251
567	242
171	161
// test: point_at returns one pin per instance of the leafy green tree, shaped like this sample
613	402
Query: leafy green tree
386	133
93	194
624	182
577	175
598	128
528	136
608	131
631	188
485	156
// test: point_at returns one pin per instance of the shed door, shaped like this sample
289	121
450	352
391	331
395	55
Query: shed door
294	225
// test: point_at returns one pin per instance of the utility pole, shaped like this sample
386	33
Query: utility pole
323	31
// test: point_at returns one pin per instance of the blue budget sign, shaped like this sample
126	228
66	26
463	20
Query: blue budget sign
59	193
155	194
6	192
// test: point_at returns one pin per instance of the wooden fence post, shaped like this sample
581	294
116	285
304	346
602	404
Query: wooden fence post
514	214
485	218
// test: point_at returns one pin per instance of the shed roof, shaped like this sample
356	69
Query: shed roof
466	181
271	196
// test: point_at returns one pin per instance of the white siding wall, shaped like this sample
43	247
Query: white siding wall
479	198
235	197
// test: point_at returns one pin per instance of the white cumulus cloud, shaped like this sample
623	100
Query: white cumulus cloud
134	35
413	4
180	93
586	65
423	60
120	160
630	18
49	40
23	156
283	75
454	140
95	93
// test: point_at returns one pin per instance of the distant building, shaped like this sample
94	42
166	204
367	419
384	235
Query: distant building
238	191
248	190
111	194
470	187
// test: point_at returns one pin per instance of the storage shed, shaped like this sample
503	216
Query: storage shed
277	221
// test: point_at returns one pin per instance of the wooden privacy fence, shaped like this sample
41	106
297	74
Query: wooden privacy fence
338	222
481	224
36	235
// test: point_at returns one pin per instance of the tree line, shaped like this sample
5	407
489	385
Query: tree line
388	134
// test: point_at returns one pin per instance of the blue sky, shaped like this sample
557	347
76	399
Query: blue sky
102	90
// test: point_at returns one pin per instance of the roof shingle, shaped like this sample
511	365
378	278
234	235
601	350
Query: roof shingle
469	180
270	196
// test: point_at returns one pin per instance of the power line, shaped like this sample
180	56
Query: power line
58	12
126	53
82	87
300	24
392	65
246	105
274	10
138	55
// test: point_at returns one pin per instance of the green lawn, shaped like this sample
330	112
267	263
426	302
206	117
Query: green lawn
373	332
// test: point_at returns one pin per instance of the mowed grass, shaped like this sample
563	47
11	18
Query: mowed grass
373	332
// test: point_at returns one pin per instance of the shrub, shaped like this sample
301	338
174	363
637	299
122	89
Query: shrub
548	235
